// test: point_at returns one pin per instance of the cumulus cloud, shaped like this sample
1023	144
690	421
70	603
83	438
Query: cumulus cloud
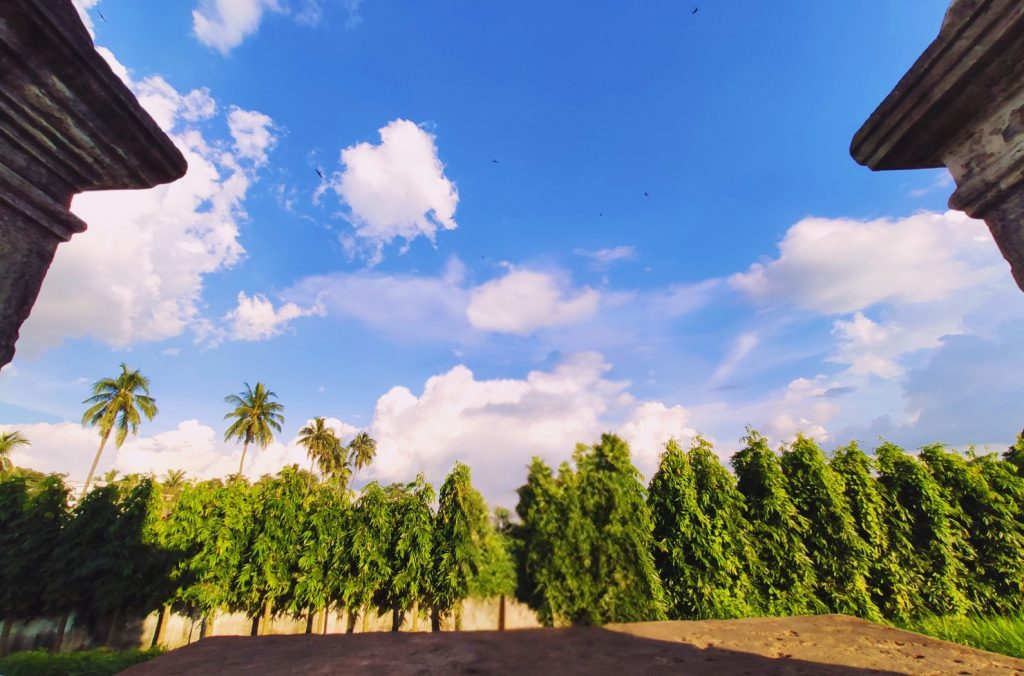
494	425
137	273
253	134
840	266
223	24
397	188
650	427
256	318
524	301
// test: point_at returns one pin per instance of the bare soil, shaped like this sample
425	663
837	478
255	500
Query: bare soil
828	644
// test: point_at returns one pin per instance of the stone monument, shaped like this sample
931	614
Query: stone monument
67	124
961	106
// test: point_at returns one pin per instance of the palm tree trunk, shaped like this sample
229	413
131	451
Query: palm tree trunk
95	461
323	629
255	630
501	613
61	629
5	636
435	619
241	463
415	614
458	616
366	619
309	620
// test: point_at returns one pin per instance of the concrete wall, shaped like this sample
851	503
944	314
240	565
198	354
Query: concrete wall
477	615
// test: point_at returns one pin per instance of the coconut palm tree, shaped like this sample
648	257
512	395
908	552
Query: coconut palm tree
362	450
324	448
8	442
117	402
255	415
174	479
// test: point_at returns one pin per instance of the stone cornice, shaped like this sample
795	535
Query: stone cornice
67	122
980	44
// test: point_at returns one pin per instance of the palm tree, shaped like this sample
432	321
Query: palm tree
254	415
324	448
116	402
362	448
8	442
174	479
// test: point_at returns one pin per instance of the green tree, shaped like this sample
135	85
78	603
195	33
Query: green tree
31	520
324	449
8	442
320	575
116	403
839	555
409	550
366	564
1015	454
730	577
269	567
255	418
681	534
990	522
702	545
586	540
459	528
785	575
893	586
920	514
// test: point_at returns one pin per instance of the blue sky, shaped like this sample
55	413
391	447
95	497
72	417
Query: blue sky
539	221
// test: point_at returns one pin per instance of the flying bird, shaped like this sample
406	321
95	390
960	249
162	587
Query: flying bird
647	194
495	161
101	16
320	174
695	10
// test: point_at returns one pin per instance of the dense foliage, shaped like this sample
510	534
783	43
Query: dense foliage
891	535
894	536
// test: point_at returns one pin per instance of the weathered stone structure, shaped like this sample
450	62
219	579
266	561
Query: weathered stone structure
67	124
961	105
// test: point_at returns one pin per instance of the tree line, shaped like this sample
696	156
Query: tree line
891	536
287	545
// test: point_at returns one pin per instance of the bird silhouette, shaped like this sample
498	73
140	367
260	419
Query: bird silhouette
101	16
495	161
695	10
647	194
320	174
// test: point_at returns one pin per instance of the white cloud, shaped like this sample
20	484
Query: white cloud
839	266
405	307
253	134
871	348
255	317
524	301
137	273
650	427
223	24
605	257
494	425
396	189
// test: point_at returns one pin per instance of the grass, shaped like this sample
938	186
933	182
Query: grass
100	662
1003	635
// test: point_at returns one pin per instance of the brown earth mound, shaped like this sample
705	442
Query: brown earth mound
830	644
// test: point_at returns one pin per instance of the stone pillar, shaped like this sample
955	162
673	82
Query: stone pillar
67	124
961	106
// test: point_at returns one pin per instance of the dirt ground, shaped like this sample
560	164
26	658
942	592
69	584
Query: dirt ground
830	644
